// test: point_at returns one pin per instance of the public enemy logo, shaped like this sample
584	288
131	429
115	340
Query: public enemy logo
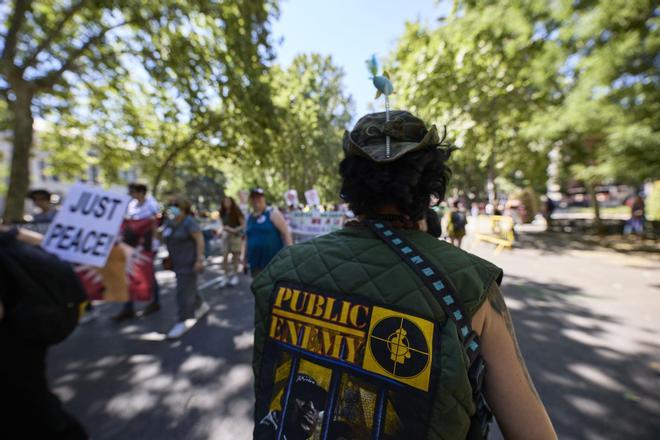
374	339
399	347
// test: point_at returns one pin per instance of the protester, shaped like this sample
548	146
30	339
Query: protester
456	222
185	245
41	198
380	298
550	207
266	232
141	207
474	210
635	225
40	298
233	224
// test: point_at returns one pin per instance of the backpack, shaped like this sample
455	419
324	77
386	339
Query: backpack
458	220
40	293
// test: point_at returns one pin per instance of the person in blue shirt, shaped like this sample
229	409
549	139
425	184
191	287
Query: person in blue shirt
266	232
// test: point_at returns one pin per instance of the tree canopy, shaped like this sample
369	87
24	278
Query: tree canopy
183	88
514	78
303	149
67	61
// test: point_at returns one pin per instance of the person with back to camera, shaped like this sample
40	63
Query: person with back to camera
382	264
233	224
456	222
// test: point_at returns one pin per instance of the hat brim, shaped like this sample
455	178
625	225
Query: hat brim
378	152
315	393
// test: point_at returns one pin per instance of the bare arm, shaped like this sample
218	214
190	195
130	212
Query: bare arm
509	389
280	223
25	235
30	237
199	242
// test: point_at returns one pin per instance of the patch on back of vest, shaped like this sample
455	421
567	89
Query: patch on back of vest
337	367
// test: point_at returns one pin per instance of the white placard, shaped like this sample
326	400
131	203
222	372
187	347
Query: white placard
291	198
312	197
85	228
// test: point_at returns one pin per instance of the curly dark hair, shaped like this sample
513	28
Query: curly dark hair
407	183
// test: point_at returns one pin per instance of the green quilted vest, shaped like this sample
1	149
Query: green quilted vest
355	263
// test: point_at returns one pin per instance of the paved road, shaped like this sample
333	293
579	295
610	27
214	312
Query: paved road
588	322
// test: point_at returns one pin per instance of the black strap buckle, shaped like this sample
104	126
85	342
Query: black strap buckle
484	415
476	374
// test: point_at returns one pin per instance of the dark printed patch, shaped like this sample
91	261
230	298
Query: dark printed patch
337	368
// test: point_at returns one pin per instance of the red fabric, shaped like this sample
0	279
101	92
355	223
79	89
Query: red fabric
139	227
138	267
140	275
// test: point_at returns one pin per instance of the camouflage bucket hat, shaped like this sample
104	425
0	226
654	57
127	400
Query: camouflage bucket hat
407	133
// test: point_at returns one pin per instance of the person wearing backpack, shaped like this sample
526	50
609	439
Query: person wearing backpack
408	336
456	224
40	298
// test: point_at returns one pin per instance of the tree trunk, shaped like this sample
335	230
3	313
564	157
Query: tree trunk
19	177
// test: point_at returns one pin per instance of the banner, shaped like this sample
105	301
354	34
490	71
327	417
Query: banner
315	223
129	270
85	228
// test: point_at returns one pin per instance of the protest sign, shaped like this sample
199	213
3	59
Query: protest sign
128	273
291	198
85	228
312	197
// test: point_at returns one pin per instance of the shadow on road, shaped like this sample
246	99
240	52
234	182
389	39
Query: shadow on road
558	243
591	388
122	386
595	383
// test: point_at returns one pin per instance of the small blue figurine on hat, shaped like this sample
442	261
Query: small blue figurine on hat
384	87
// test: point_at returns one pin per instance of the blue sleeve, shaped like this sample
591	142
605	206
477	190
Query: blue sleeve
192	225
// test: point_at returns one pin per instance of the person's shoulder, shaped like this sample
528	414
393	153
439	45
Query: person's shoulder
153	203
274	211
191	222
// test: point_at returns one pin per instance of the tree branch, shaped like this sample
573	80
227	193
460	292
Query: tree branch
9	51
54	33
49	80
176	150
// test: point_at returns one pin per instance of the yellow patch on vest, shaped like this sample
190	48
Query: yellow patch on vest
400	347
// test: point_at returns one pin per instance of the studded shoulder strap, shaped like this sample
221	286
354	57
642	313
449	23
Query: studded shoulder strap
452	305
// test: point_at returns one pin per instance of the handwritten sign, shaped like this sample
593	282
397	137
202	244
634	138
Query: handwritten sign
86	227
312	197
291	197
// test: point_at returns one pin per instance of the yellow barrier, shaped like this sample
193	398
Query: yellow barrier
496	229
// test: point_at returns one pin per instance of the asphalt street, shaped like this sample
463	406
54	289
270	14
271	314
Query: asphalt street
588	322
